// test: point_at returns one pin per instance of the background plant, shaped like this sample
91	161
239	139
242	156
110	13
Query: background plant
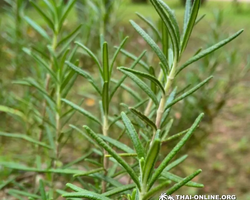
45	118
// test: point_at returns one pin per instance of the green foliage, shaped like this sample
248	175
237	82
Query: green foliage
216	94
144	128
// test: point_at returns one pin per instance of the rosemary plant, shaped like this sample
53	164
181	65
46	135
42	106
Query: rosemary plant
147	179
146	126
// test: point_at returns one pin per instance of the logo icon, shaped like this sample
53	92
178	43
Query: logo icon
164	196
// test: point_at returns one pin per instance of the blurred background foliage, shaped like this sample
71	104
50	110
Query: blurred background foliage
225	100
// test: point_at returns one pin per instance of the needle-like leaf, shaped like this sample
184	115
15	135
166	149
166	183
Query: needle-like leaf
142	85
81	110
144	75
189	92
209	50
133	136
92	55
183	182
144	118
165	18
124	164
174	151
85	75
190	25
25	137
44	15
116	54
117	144
38	28
151	43
150	24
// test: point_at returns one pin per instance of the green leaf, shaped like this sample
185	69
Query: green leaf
89	172
42	62
68	83
119	190
151	43
177	179
150	24
17	196
38	28
34	83
66	11
189	92
137	60
22	193
166	46
175	163
133	136
105	98
92	55
78	160
144	75
43	14
116	54
37	51
124	164
42	190
177	135
150	160
187	14
84	134
5	183
117	144
156	190
86	194
142	85
165	18
144	118
71	36
74	187
124	155
153	85
132	92
81	110
24	137
62	61
199	19
209	50
18	166
136	106
50	6
167	129
84	74
12	111
105	60
174	151
183	182
190	24
133	57
172	18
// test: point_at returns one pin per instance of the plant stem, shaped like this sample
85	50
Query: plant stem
105	129
167	87
47	82
150	103
58	121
